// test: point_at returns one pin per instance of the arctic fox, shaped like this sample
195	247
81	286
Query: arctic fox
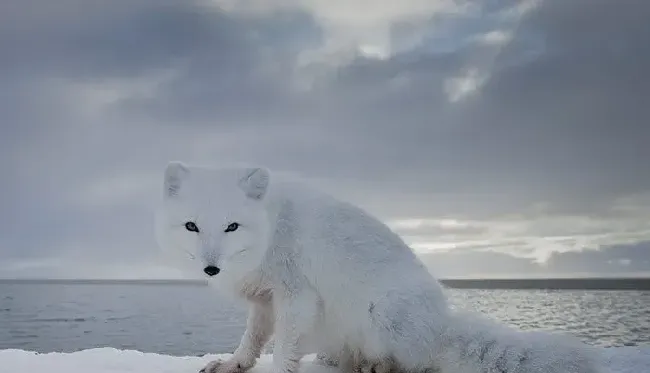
323	276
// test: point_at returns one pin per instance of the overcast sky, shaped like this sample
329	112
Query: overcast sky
498	137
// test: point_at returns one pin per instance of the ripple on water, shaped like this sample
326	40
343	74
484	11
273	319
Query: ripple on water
606	318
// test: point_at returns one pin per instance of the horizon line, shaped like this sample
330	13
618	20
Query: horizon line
530	283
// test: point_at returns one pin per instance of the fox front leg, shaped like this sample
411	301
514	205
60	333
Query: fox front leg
259	327
296	317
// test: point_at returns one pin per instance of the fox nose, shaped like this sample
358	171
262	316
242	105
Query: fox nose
211	270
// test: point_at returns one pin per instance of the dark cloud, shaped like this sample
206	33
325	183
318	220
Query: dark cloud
574	117
120	39
614	259
472	116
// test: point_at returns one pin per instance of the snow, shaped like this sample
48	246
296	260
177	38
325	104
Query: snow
111	360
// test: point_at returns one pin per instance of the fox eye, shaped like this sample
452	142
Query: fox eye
190	226
232	227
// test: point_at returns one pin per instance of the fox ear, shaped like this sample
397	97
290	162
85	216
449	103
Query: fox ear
255	182
175	174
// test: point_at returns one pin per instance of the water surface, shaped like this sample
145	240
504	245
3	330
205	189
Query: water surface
194	320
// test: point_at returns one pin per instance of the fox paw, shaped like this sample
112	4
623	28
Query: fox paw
327	360
375	366
223	366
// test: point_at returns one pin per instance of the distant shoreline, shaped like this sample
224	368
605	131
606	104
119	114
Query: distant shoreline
83	281
595	283
577	283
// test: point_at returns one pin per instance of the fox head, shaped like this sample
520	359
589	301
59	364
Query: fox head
216	218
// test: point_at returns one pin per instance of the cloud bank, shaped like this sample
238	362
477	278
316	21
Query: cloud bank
512	127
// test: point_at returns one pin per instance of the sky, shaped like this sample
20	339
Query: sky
497	137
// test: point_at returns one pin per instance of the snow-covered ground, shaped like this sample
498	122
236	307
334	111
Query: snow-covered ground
110	360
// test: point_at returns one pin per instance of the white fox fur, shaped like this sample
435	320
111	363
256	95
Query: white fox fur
323	276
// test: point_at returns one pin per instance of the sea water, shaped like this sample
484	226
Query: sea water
195	320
